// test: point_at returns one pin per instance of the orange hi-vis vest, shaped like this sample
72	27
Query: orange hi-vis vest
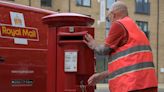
131	65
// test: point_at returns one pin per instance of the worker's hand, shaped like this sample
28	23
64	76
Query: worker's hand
90	41
94	79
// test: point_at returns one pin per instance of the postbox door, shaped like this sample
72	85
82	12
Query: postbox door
75	62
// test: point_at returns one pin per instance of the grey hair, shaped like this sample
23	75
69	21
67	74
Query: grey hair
120	7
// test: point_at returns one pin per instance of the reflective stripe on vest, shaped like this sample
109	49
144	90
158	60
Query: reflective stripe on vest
132	50
133	68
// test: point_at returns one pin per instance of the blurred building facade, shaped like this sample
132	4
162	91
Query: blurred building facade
148	14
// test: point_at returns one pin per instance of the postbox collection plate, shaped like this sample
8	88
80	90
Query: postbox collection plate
70	61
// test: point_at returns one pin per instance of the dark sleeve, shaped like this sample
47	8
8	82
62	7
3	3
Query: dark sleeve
117	36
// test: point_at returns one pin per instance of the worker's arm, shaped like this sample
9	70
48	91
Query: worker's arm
102	50
117	37
95	78
99	49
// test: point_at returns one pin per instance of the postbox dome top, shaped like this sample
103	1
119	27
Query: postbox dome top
68	19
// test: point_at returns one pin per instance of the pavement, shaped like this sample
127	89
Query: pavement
161	85
104	87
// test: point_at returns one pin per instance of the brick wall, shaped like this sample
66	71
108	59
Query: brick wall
161	40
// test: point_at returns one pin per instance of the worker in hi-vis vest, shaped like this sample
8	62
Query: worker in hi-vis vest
130	65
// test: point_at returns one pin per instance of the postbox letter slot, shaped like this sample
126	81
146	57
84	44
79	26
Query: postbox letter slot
2	59
76	37
69	38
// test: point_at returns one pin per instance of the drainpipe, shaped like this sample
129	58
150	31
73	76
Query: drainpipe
69	6
29	2
157	53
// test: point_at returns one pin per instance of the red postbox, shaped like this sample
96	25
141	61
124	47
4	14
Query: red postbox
23	48
70	61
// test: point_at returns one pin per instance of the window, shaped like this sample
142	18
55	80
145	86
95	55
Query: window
46	2
108	24
109	3
142	6
86	3
144	27
107	28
